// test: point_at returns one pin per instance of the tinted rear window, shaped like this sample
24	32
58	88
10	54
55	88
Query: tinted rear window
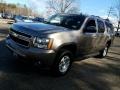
101	26
109	27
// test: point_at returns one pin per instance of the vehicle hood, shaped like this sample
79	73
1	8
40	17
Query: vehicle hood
27	20
37	28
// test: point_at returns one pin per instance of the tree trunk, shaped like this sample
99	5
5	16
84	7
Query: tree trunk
118	26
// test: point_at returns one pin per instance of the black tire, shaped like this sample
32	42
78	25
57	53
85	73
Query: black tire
103	52
63	60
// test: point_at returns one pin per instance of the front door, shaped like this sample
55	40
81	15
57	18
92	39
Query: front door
89	37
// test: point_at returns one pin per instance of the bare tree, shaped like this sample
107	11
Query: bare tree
2	6
116	13
63	6
110	12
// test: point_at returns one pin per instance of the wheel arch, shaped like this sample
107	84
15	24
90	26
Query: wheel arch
109	42
72	47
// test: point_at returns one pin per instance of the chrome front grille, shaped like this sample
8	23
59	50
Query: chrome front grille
20	38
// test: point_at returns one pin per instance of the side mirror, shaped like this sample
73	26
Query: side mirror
90	29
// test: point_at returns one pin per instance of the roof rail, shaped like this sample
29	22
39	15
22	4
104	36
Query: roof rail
107	20
96	16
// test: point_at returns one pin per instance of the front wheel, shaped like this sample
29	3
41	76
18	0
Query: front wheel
62	63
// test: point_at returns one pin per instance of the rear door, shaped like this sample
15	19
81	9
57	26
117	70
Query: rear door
101	36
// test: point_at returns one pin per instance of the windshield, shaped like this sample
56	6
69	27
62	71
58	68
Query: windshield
24	17
70	21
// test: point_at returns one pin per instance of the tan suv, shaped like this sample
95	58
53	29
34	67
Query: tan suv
62	38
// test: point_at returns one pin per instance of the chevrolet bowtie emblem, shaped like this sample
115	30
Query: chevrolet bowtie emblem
15	35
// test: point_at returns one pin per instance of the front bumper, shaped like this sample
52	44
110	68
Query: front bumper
46	57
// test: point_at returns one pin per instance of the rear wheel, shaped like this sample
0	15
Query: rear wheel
103	52
62	63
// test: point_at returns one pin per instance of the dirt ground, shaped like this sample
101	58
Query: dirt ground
88	74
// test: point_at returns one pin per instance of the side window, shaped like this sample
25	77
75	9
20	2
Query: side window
101	26
73	22
90	26
91	23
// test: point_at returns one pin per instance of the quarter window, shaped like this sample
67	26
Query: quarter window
109	28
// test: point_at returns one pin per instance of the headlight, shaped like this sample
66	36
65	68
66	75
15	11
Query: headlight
43	43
